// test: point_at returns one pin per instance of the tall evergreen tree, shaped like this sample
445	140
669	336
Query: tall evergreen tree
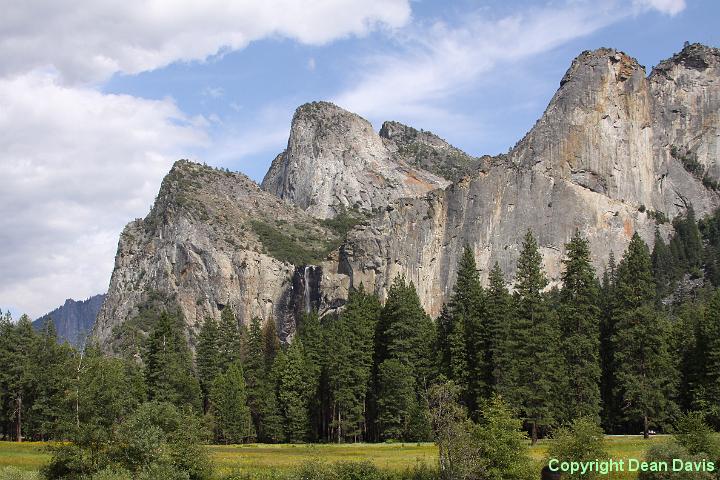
208	357
663	266
538	364
580	327
467	338
262	394
229	405
404	333
645	371
708	357
168	364
349	364
294	391
228	339
608	391
499	310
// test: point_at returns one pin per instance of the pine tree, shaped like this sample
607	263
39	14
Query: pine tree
537	365
168	364
229	405
608	389
499	311
261	391
580	327
397	400
228	339
349	364
645	370
708	349
294	392
208	357
663	267
466	334
404	333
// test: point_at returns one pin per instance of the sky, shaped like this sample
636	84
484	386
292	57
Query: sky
98	98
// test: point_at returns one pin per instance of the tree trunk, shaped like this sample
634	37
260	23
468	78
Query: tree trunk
646	433
18	424
534	433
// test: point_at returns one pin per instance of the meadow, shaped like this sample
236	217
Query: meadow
257	458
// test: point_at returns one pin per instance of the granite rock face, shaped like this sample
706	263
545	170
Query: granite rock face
205	246
613	150
602	159
334	161
74	320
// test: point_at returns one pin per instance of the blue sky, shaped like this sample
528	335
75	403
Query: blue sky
271	77
97	99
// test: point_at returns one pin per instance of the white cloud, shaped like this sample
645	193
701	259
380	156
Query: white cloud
435	62
87	41
76	166
668	7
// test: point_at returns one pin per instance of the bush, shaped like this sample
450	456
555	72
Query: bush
582	440
156	442
666	452
695	436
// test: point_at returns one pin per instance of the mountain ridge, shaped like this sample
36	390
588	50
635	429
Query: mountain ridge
614	151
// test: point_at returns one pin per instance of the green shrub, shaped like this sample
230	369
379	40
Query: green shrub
666	452
112	473
582	440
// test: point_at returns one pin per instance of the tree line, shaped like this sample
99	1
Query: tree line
631	349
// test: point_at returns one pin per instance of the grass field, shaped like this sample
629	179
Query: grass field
257	458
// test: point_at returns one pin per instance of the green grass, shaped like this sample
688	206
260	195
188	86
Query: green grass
256	458
26	455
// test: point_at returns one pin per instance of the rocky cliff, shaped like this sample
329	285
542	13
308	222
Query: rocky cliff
214	239
614	152
334	161
74	320
613	148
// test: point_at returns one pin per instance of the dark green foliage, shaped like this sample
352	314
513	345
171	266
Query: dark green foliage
582	441
706	360
608	390
646	377
405	335
536	371
168	364
156	438
344	221
667	452
262	395
348	364
208	358
465	339
502	445
580	328
498	307
295	388
664	269
306	248
228	398
400	415
228	338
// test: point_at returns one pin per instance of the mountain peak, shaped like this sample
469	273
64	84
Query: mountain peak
608	60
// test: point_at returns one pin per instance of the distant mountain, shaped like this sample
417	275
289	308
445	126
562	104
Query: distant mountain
73	320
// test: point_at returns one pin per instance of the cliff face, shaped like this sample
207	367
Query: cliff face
215	239
334	161
613	150
73	320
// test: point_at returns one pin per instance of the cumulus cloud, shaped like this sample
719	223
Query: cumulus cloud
87	41
76	166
